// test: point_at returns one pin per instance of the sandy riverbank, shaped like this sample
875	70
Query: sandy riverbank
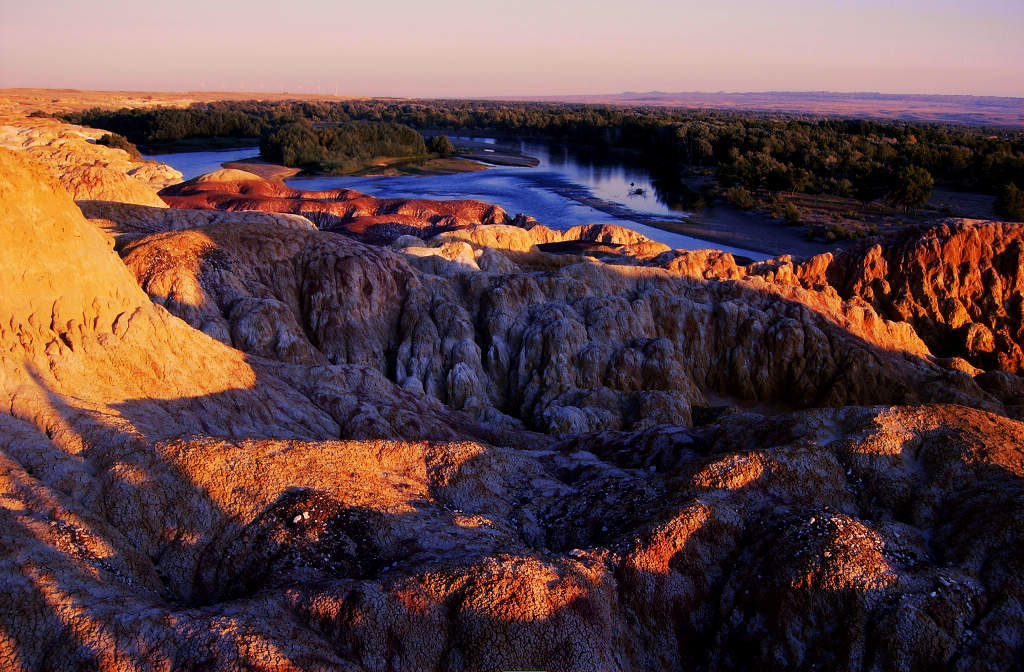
728	226
419	167
719	225
265	169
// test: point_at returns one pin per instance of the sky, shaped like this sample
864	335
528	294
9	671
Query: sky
457	48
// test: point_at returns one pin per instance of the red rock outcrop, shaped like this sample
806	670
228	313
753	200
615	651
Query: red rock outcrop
344	210
313	499
953	293
960	285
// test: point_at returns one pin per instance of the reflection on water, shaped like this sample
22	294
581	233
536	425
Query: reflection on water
616	179
569	187
624	179
194	164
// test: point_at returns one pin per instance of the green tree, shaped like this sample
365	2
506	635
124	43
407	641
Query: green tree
1009	203
791	215
295	144
120	142
779	179
911	187
440	144
869	183
740	197
339	147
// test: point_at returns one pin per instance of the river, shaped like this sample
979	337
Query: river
565	189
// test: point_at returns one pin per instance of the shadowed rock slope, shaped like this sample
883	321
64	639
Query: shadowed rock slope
298	489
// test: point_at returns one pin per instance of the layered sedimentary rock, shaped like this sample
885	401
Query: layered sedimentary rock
340	473
374	219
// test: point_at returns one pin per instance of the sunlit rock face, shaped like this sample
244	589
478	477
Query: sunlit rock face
961	285
233	441
87	170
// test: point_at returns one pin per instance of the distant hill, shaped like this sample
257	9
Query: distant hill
974	110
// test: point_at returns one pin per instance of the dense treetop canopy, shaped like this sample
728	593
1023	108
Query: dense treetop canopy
339	146
792	153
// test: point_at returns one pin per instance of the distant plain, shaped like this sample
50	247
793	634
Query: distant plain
972	110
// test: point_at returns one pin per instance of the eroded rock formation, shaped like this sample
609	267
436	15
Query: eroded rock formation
585	347
88	171
960	285
730	468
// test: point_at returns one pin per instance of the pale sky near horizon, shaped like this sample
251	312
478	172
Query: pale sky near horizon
458	48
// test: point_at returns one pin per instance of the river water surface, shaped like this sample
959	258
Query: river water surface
565	189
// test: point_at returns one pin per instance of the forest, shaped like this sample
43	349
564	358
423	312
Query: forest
776	153
339	148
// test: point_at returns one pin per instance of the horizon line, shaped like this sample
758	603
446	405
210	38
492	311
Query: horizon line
653	92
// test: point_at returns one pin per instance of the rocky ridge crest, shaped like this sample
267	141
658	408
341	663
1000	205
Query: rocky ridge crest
89	171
